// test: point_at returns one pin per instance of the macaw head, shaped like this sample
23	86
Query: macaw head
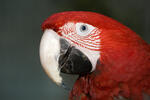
70	44
79	42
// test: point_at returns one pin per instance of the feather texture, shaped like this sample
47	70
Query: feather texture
124	69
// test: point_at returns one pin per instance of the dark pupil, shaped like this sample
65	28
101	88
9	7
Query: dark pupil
83	28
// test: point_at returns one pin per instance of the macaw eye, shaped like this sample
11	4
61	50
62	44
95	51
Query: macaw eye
83	29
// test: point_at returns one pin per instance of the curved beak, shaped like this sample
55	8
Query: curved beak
49	53
58	55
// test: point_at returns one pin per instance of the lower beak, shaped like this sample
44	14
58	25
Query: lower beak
72	60
58	55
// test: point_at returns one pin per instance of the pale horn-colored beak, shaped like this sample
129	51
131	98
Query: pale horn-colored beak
49	55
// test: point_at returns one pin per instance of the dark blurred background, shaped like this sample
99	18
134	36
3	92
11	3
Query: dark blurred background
21	75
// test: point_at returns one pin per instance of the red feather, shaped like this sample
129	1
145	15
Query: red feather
124	68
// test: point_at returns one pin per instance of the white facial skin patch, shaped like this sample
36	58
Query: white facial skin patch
82	34
49	52
85	37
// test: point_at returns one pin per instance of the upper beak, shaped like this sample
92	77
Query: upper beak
58	55
49	53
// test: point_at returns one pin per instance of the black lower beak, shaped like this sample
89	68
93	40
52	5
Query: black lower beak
72	60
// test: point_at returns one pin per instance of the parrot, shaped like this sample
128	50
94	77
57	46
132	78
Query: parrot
112	61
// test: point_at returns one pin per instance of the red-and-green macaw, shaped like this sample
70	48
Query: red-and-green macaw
112	61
